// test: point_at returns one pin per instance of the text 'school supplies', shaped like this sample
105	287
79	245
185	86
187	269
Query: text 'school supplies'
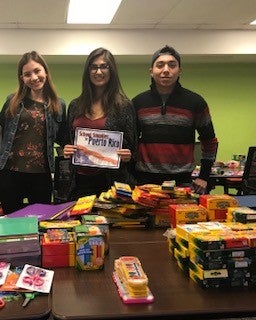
90	248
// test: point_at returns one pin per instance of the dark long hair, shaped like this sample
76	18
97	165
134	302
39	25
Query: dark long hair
23	91
113	97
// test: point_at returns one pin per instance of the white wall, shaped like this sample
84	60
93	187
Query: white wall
123	42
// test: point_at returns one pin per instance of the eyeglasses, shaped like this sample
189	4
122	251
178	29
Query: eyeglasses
103	67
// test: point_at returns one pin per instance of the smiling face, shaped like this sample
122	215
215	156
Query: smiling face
99	72
34	76
165	72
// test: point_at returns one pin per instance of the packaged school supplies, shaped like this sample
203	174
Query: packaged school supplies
168	185
102	223
145	198
19	241
83	205
217	205
186	213
56	224
123	189
44	211
90	247
217	254
35	279
131	280
58	248
4	268
244	215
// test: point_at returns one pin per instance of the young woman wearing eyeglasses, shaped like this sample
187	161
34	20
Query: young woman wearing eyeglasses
101	105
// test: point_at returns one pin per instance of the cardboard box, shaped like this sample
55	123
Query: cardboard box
102	223
19	241
58	253
217	201
90	247
186	213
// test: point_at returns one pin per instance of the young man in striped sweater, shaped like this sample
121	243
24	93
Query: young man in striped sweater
168	118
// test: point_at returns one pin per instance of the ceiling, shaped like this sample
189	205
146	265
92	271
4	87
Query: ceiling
135	14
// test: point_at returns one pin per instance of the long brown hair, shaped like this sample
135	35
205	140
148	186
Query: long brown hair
23	91
113	98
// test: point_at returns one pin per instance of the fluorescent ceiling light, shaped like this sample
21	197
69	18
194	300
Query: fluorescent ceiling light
253	22
92	11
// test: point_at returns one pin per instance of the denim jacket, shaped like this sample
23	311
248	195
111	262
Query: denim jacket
55	131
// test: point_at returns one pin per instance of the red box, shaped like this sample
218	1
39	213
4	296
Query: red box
58	261
57	253
217	201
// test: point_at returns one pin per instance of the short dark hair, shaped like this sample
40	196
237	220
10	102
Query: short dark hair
166	50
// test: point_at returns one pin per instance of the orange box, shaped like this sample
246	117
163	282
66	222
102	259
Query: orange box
186	213
161	217
217	201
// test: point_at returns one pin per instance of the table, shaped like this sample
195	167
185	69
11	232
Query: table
247	201
39	308
220	176
93	295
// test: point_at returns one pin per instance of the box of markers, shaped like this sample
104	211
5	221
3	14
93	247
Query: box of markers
101	222
90	247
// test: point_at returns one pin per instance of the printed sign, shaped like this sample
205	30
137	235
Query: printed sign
97	148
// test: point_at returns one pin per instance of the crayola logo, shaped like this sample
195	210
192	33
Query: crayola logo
222	204
191	215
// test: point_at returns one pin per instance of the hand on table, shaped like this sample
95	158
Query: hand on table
200	185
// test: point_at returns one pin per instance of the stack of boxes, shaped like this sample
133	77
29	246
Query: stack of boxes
58	248
82	244
58	243
19	241
214	255
217	205
241	214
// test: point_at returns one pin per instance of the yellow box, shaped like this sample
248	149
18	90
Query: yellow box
217	201
186	213
208	274
183	230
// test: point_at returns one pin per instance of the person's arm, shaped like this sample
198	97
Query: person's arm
209	151
1	135
209	146
60	138
3	117
200	183
130	141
